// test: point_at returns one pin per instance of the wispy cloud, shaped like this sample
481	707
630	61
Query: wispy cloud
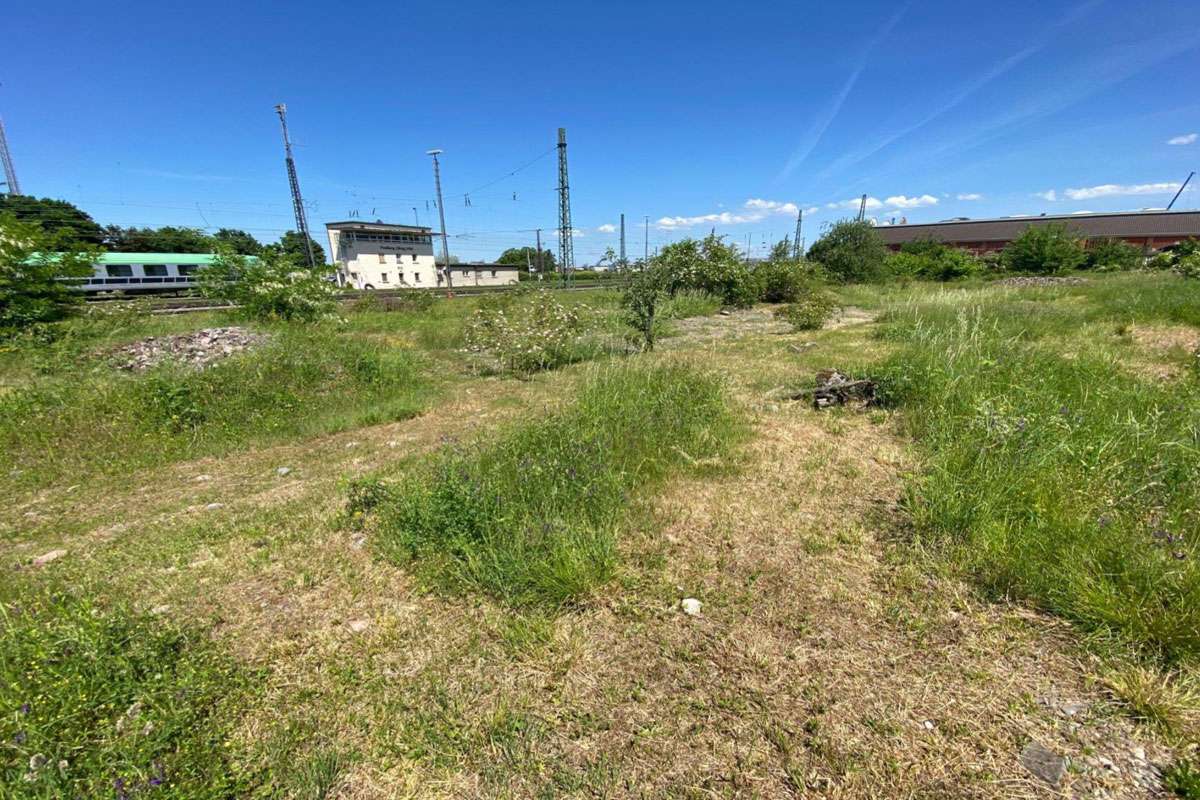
1118	190
754	210
817	130
901	201
970	196
1187	138
607	227
1049	195
854	202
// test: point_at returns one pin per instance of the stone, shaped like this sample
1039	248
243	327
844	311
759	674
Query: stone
359	541
1044	763
197	349
282	471
351	444
691	606
46	558
359	625
214	506
202	478
1074	709
160	610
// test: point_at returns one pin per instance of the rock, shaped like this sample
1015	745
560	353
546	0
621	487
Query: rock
46	558
725	312
359	541
351	444
691	606
1074	709
202	478
1139	753
214	506
282	471
160	610
928	724
359	625
1044	763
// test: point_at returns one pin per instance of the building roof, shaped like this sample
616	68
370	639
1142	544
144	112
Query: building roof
359	225
1131	223
483	266
157	258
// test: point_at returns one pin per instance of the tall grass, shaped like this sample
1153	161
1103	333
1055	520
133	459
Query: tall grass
532	516
306	380
1063	480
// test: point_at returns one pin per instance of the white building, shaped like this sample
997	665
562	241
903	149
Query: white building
377	255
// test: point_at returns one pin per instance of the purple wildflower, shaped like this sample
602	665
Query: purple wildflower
20	737
25	708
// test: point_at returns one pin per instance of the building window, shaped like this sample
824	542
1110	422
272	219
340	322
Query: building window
493	273
154	270
383	277
416	277
120	271
414	258
382	258
466	273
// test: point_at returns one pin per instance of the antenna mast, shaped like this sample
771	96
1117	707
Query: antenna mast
297	201
10	174
566	246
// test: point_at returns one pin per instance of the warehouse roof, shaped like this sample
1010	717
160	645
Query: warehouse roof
1130	223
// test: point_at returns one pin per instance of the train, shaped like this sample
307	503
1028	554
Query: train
140	273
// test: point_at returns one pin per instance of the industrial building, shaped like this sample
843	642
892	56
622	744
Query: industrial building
379	255
1150	230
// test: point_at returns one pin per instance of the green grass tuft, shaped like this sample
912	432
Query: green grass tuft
532	516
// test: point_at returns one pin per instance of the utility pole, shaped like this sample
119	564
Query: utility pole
646	245
566	245
297	200
11	186
623	263
796	252
437	182
539	253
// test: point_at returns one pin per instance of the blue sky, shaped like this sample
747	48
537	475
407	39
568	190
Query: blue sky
695	115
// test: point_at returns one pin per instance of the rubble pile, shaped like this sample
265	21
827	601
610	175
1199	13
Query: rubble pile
1039	280
198	349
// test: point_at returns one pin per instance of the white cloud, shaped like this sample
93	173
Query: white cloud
1049	194
1187	138
900	201
773	206
872	203
970	196
1117	190
754	210
607	227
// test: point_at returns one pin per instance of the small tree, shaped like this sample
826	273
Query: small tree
270	286
645	294
710	265
781	279
851	252
1044	250
33	266
291	245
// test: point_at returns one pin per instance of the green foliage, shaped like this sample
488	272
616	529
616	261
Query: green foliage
851	252
810	311
1021	485
270	286
532	516
33	263
1182	779
524	257
167	239
1188	266
105	702
1044	250
644	297
782	280
709	265
933	261
238	241
1112	255
690	303
532	334
56	218
291	247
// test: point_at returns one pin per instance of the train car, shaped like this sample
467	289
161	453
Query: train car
144	272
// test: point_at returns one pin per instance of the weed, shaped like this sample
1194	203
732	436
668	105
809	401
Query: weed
1182	779
810	312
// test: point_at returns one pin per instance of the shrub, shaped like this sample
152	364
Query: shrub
646	294
934	261
851	252
33	264
785	280
1112	255
104	702
527	336
270	286
1188	266
1044	250
533	515
810	312
709	265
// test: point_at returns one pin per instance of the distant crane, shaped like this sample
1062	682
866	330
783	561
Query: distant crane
10	173
1173	199
297	200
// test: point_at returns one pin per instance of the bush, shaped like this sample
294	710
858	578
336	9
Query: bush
1188	266
709	265
851	252
104	702
934	261
785	280
810	312
532	517
270	286
33	264
1112	255
643	300
1044	250
528	335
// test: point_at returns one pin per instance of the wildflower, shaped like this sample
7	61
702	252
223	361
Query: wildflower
25	708
20	737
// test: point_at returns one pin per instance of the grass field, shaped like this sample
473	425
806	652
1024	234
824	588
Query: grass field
358	561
